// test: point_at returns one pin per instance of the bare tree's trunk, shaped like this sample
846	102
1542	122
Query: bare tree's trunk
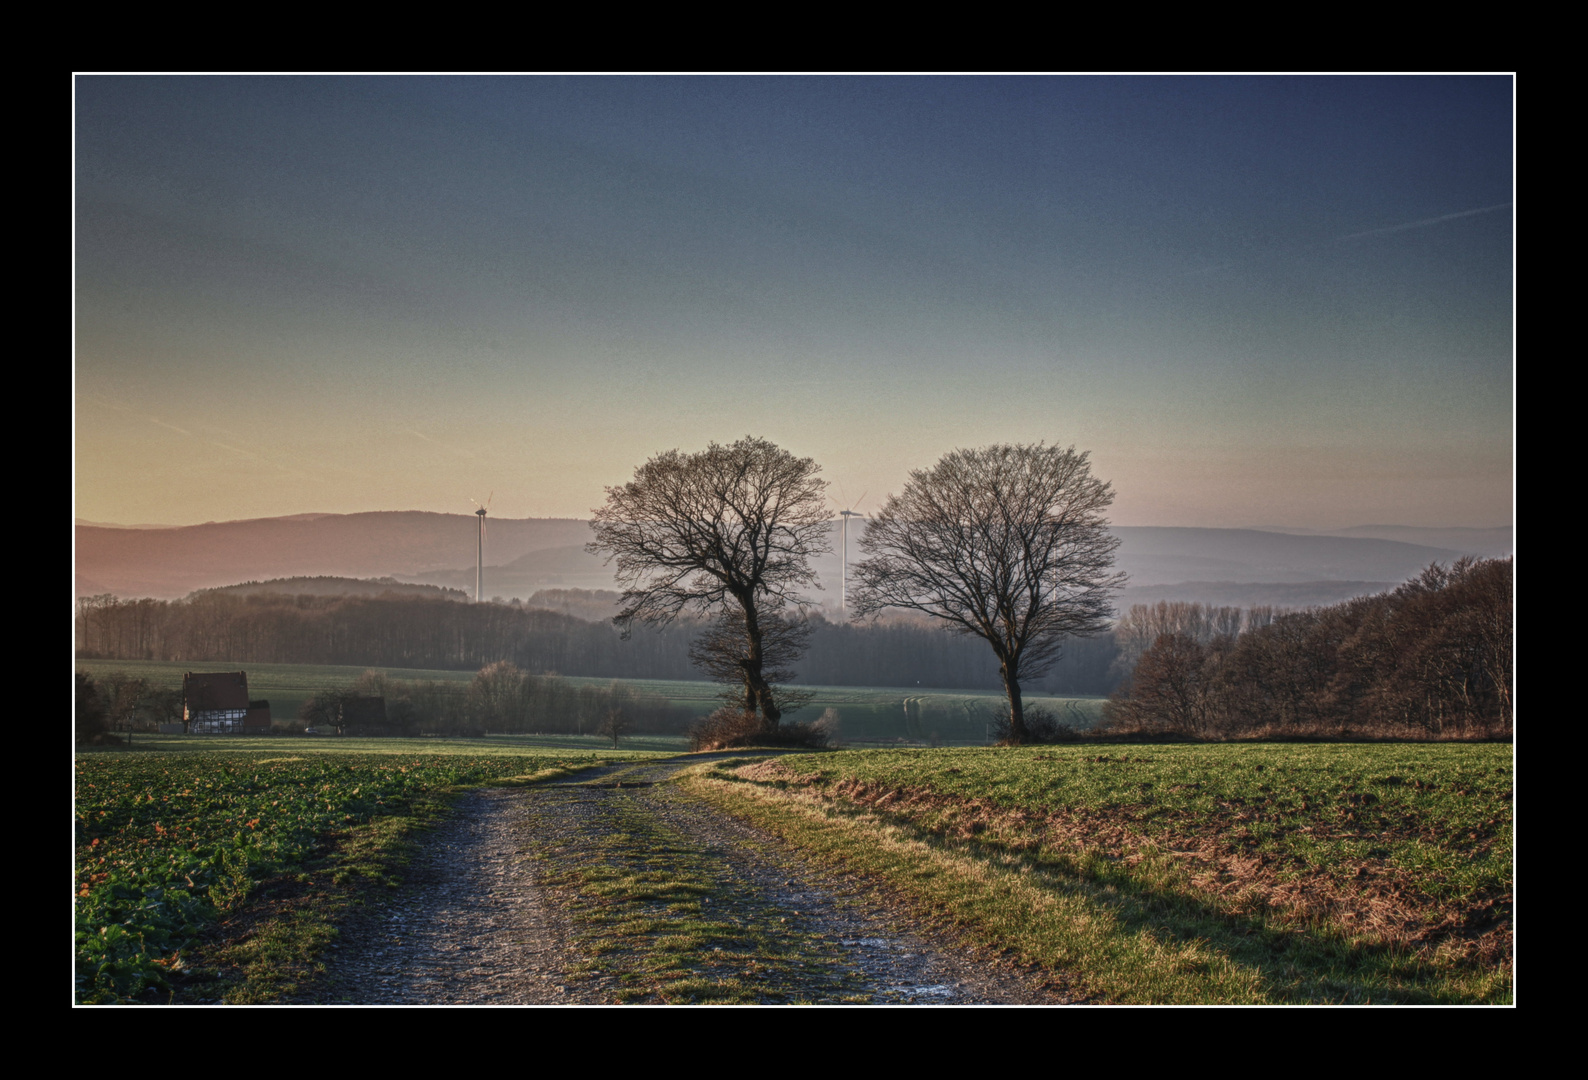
758	693
1018	735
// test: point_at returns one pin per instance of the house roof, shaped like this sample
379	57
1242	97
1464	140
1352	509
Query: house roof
207	690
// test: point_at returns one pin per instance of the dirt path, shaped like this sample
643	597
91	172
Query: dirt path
495	912
469	928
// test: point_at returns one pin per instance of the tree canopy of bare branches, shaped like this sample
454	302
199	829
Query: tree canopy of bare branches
1008	543
1430	659
729	527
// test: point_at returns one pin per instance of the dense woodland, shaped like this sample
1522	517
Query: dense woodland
410	632
1433	658
502	699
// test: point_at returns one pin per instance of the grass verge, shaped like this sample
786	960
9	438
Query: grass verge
1178	900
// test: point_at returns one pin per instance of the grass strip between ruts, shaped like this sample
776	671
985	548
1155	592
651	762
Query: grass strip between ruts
661	919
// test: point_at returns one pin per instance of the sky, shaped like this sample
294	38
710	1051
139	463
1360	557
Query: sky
1252	300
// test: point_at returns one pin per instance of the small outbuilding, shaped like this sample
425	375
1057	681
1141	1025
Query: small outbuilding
364	716
257	722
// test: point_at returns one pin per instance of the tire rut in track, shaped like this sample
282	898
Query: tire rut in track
470	926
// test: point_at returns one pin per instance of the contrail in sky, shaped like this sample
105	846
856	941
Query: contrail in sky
250	455
227	446
437	442
1423	222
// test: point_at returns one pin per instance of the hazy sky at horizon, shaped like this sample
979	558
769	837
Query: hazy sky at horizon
1280	301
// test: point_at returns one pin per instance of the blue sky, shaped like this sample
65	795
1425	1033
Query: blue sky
1254	300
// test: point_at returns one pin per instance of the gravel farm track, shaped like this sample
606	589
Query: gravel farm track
486	916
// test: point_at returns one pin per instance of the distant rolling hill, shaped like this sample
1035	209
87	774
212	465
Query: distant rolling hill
524	556
1160	555
1290	594
1494	542
340	586
174	562
568	567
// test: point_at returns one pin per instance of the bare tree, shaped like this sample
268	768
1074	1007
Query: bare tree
732	527
1008	543
615	722
89	714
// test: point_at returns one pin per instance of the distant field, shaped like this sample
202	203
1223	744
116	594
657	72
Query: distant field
491	746
865	712
285	686
1179	874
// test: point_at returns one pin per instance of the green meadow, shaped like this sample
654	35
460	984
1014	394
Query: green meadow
1296	873
866	713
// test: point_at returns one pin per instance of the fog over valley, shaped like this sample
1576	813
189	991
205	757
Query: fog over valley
1243	567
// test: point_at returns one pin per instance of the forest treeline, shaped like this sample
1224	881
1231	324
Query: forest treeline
1432	658
500	699
412	632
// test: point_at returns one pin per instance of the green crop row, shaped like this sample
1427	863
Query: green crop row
167	843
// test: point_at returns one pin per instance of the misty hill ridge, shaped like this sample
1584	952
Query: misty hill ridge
338	586
526	555
173	562
568	567
1157	555
1492	542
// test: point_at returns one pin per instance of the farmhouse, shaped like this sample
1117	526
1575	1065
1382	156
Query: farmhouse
216	702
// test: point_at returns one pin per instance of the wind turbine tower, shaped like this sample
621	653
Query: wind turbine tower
479	551
846	515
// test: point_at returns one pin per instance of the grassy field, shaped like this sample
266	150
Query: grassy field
285	686
1181	874
216	869
219	874
595	747
866	713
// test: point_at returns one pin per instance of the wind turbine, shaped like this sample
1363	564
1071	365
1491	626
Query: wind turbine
479	555
846	515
